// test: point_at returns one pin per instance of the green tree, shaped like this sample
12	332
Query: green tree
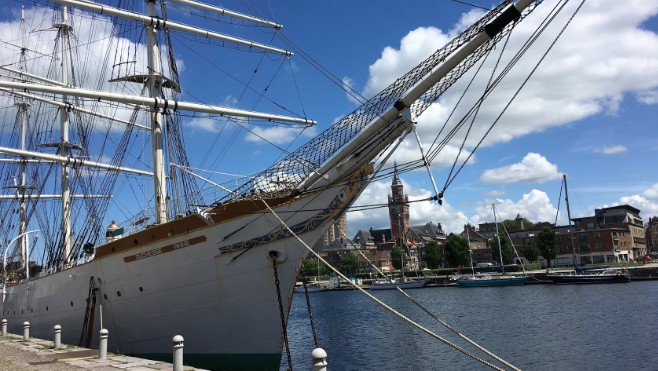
311	268
510	225
546	244
531	251
397	257
349	264
457	251
495	250
432	254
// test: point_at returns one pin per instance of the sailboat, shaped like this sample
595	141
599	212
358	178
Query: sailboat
488	280
580	275
215	263
394	283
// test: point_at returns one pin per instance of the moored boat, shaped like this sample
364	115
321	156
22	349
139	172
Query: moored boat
486	280
591	276
394	284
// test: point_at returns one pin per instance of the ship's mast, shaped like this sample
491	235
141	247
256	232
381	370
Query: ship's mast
154	84
64	145
23	105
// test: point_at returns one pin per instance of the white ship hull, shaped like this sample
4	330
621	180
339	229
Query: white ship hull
213	285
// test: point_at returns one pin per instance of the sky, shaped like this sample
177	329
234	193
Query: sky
590	109
590	112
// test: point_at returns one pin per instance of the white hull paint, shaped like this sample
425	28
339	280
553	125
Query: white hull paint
218	294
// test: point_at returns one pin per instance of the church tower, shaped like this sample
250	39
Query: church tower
398	209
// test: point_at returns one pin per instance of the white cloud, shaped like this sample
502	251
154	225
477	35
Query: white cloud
652	192
648	97
534	206
647	207
603	55
533	168
393	63
612	150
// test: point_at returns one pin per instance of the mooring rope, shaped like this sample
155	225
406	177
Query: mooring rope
444	323
384	305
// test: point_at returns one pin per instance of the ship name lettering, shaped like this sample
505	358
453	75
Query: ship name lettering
148	254
180	245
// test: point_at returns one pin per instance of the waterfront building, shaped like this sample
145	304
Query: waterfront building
479	244
651	235
612	234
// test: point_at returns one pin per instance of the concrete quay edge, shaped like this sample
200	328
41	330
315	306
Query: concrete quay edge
39	354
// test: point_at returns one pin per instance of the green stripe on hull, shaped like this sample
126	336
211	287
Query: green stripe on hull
241	362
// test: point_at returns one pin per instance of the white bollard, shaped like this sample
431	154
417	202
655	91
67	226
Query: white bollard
319	359
178	353
102	345
58	337
4	327
26	331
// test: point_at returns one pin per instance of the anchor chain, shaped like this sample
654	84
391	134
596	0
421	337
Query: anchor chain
281	313
310	312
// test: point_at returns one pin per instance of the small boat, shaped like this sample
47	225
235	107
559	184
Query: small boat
491	281
592	276
310	287
393	284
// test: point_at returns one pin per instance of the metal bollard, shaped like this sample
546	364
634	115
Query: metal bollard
58	336
319	359
178	353
102	345
26	331
4	327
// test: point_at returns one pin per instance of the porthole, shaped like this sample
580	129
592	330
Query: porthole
71	303
46	308
105	296
141	289
118	293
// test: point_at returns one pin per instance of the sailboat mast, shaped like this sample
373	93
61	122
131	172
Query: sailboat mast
154	83
500	247
566	200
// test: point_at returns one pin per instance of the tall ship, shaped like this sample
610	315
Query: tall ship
213	262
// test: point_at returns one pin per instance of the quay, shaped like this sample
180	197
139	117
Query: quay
38	354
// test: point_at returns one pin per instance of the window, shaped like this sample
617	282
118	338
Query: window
597	235
583	237
598	246
584	248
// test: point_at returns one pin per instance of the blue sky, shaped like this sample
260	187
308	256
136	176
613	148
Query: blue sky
589	111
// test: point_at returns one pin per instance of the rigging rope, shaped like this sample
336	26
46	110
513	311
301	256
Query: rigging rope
376	300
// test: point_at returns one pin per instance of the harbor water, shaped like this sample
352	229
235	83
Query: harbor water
534	327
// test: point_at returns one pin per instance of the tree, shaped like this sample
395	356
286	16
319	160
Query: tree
495	249
531	251
457	251
510	225
546	244
349	263
397	257
311	268
432	254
